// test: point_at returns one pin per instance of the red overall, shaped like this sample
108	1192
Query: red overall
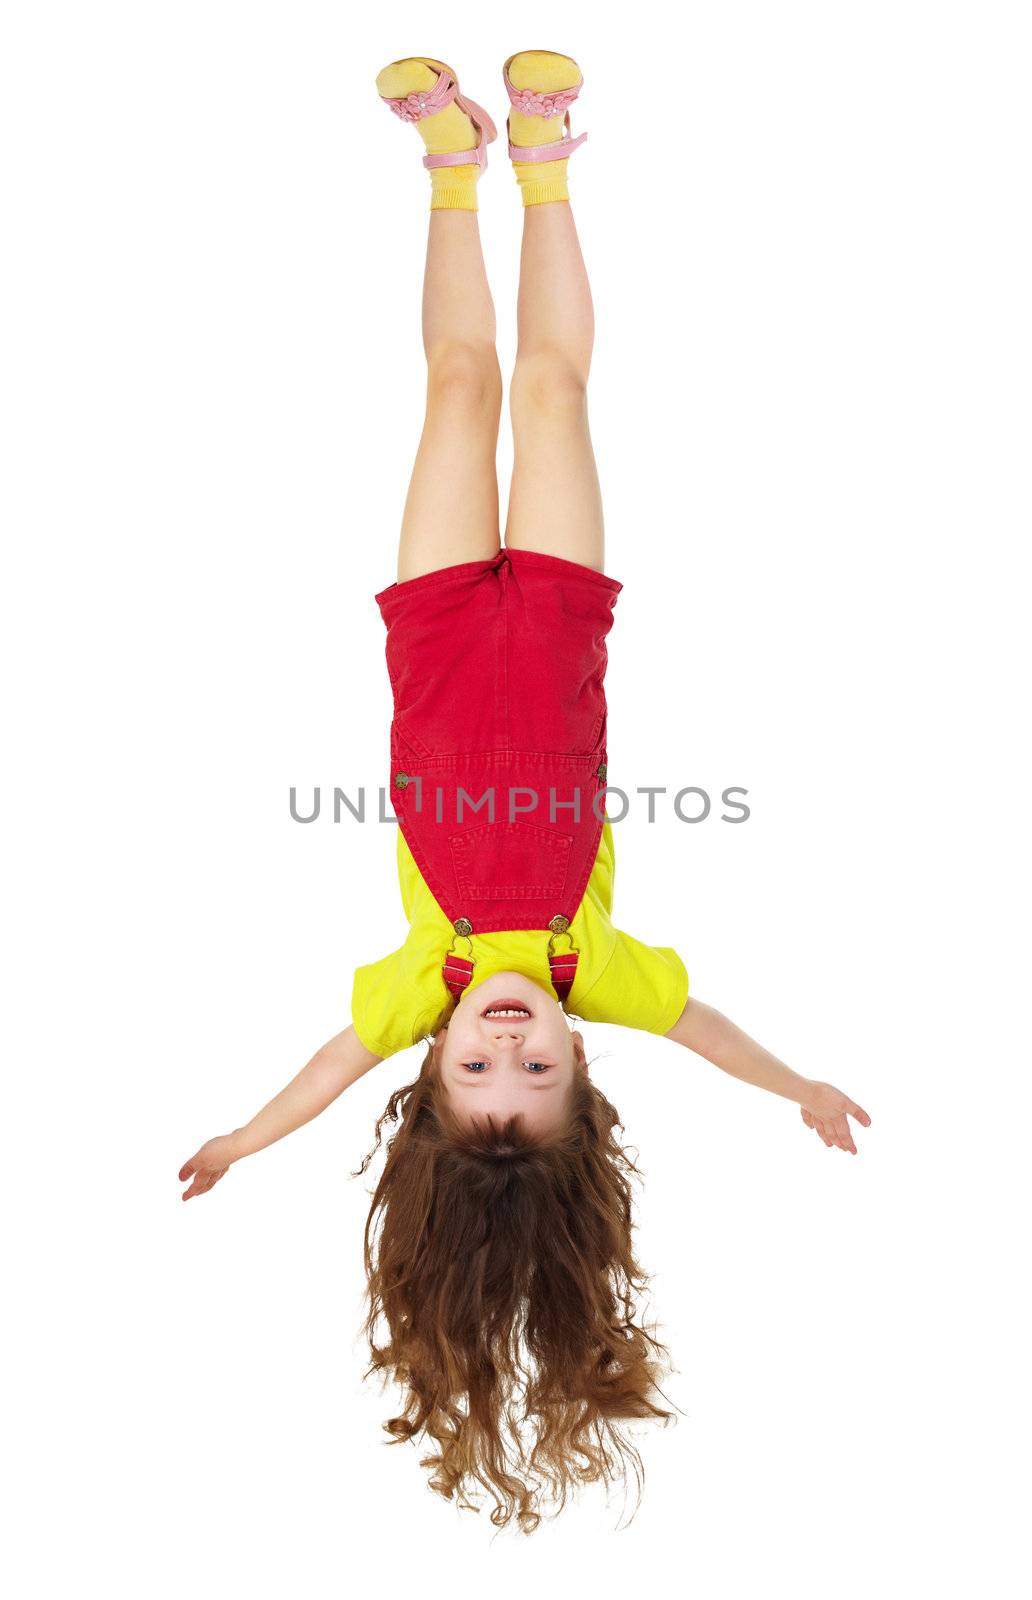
498	740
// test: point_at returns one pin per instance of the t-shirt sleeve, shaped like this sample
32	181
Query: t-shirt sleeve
395	1002
641	986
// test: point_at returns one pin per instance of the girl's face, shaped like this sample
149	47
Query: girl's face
509	1049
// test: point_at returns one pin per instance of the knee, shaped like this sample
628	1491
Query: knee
464	376
549	384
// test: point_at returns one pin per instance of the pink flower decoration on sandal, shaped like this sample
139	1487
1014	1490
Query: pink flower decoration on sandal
410	109
530	104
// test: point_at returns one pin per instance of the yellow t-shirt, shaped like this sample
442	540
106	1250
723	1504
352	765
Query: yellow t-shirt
399	1000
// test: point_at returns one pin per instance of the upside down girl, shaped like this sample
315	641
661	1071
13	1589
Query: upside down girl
502	1282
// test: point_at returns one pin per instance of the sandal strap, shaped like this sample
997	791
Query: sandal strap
558	150
485	130
456	158
531	103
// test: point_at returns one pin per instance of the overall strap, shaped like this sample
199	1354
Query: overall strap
457	973
457	970
563	969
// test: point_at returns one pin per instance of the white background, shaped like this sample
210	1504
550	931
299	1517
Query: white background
807	227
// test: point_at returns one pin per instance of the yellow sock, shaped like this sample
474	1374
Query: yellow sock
540	181
452	188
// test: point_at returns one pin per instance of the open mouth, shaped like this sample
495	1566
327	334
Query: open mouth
507	1011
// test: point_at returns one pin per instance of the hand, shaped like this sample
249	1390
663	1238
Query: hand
212	1161
825	1108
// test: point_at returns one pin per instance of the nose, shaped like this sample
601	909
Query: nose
506	1030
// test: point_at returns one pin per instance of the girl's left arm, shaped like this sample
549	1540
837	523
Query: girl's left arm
716	1038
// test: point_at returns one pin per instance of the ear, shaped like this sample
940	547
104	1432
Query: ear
438	1045
579	1054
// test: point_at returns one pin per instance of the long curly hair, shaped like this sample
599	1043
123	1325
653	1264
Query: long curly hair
502	1265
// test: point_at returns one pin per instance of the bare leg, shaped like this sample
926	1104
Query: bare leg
555	504
451	514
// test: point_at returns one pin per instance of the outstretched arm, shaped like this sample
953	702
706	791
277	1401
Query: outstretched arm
334	1068
716	1038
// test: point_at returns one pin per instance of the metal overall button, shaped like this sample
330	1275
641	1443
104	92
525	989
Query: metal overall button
602	770
560	928
401	780
463	927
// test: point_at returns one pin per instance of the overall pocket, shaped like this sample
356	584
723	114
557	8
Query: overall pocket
511	861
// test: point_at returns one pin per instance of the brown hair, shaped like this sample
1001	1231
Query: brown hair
504	1270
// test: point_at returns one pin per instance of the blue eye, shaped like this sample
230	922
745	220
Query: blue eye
536	1067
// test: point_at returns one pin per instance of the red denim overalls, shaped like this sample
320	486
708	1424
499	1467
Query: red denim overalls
498	740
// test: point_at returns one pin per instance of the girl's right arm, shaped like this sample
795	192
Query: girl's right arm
334	1068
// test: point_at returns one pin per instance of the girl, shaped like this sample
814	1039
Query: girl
498	1244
